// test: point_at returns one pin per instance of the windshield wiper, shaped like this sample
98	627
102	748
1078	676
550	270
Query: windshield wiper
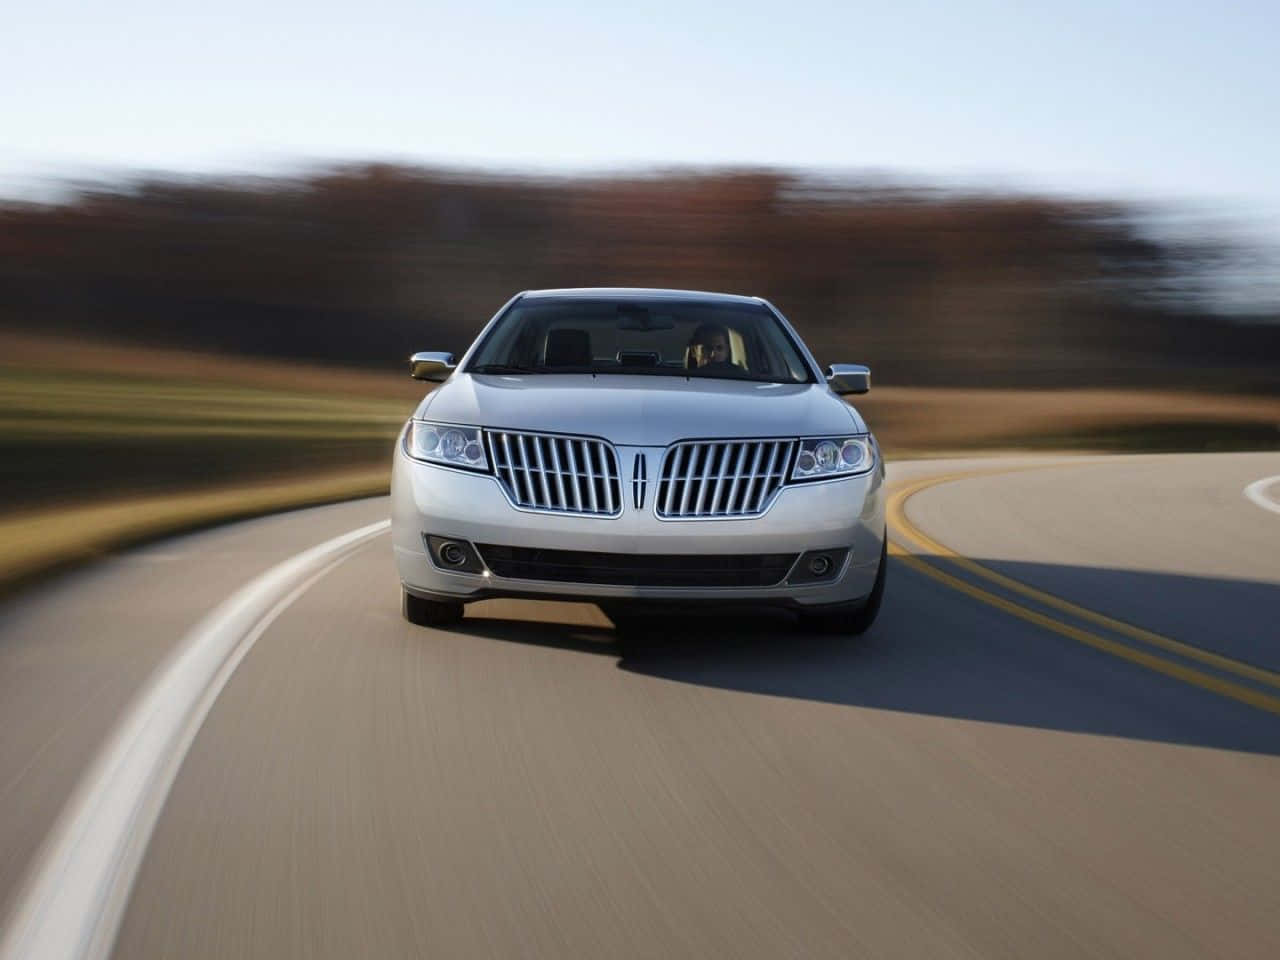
503	368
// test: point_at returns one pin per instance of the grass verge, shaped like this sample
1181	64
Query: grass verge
37	543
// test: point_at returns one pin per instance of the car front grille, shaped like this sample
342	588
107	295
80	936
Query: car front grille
637	569
557	474
721	478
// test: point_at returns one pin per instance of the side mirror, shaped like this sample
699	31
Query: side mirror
844	378
431	366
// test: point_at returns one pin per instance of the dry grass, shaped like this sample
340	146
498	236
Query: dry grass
66	355
38	542
918	421
133	427
104	445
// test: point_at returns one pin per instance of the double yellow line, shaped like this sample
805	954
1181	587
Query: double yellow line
924	545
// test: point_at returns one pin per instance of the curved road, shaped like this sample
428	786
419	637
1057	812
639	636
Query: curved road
1062	738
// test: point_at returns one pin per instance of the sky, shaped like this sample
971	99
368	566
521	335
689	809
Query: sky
1151	101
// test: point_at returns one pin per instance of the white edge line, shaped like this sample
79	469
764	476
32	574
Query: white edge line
1254	492
76	891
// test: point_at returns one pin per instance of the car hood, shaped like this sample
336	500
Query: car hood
640	410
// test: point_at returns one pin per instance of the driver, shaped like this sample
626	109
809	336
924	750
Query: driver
709	349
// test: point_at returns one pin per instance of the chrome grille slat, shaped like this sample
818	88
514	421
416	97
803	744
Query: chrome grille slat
557	474
751	478
704	481
737	476
574	479
591	476
524	463
773	458
542	471
507	463
725	457
609	478
694	475
668	472
688	478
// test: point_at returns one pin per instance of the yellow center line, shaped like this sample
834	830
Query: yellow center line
923	542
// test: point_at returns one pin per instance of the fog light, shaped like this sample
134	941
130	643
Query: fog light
820	565
455	556
452	554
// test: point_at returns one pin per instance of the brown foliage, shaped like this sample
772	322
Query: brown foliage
362	265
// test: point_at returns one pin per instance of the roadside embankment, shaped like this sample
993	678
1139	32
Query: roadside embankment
39	542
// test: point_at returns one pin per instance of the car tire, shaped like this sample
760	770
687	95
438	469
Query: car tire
429	613
853	619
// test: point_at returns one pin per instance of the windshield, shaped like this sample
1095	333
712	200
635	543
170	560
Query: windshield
739	341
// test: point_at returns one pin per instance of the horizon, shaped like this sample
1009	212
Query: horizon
1247	288
1166	108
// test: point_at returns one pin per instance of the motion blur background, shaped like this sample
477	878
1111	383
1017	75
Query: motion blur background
223	230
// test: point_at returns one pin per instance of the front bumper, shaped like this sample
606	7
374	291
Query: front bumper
835	514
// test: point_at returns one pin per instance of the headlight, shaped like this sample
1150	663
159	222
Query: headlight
836	457
445	443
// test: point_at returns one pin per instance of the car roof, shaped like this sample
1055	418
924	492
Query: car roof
635	293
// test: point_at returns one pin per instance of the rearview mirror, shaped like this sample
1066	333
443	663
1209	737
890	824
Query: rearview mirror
431	366
845	378
639	318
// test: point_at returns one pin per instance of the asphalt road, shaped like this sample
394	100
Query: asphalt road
1062	738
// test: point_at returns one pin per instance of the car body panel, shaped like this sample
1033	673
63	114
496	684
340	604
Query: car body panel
640	410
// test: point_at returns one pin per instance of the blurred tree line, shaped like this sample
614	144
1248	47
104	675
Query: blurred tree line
363	265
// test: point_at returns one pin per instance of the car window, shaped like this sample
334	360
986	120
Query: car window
659	338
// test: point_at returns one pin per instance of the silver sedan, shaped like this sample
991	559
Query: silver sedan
640	448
